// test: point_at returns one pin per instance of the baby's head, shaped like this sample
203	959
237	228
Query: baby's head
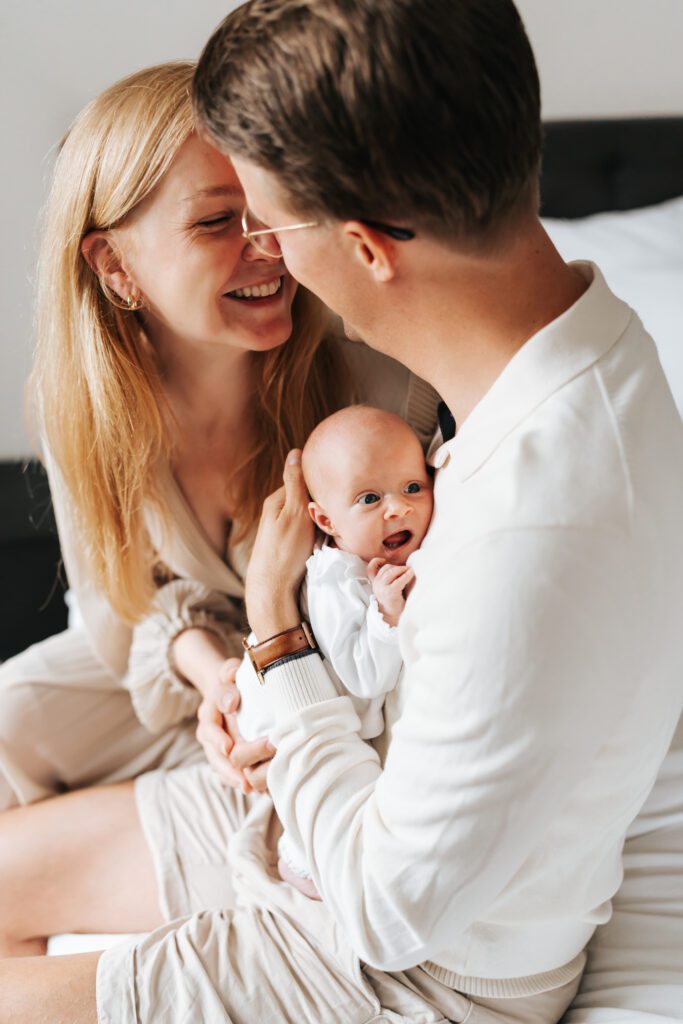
366	473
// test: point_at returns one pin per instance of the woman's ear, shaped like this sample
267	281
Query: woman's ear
320	518
104	259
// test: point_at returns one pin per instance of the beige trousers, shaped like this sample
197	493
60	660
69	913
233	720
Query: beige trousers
242	947
66	722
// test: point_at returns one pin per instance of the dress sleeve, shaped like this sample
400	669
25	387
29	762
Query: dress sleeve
161	696
108	635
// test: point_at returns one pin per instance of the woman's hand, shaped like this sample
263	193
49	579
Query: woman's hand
251	758
278	562
220	698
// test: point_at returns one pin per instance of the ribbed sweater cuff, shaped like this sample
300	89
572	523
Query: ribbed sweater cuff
507	988
298	683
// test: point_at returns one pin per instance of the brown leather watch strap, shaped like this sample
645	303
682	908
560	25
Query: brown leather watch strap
290	641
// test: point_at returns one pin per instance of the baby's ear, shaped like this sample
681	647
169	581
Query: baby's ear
320	518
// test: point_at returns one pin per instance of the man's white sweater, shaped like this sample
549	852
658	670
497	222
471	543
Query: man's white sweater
543	676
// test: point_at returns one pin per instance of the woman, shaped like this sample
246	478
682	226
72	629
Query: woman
176	366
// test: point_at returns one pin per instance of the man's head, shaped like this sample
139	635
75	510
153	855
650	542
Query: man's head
366	473
423	114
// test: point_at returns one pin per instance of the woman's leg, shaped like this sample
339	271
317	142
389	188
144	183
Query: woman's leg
49	991
78	862
66	722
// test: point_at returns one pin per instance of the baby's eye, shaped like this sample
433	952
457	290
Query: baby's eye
413	488
369	498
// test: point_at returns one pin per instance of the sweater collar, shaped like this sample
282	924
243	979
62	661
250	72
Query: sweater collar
556	354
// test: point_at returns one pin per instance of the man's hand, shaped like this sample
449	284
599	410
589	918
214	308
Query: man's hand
283	543
388	584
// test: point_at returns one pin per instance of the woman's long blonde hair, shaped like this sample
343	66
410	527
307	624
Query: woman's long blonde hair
95	386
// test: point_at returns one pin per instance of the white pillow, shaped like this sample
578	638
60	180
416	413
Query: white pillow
640	252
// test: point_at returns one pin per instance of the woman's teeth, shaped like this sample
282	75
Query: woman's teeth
257	291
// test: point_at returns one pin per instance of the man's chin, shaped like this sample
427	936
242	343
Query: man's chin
351	332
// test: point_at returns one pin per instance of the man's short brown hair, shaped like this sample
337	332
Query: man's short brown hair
424	113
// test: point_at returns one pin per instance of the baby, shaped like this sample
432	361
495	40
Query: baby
372	501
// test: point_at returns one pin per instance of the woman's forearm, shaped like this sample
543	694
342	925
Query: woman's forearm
198	654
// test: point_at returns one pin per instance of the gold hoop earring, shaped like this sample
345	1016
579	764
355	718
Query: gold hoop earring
128	304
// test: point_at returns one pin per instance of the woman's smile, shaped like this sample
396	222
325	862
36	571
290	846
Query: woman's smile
262	293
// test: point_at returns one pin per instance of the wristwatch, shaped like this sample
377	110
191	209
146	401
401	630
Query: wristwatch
290	641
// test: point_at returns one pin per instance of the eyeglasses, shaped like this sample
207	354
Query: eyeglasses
266	242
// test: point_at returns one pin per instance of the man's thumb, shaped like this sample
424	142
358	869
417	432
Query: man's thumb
296	492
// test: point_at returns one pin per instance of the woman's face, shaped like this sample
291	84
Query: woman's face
200	281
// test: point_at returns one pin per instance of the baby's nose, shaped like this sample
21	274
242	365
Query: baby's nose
396	507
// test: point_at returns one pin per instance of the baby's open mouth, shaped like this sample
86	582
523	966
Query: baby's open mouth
397	540
256	292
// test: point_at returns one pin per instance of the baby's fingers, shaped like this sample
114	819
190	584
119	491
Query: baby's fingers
389	573
404	577
374	565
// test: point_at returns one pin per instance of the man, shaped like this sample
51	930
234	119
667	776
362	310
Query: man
393	149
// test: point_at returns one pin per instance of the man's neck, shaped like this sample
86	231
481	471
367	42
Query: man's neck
462	318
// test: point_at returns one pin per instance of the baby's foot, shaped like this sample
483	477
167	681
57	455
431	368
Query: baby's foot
304	885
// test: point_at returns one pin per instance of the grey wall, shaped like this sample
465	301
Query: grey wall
596	57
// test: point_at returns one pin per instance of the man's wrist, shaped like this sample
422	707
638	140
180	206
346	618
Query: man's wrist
274	619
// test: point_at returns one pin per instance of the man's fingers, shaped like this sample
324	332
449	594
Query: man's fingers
273	503
296	492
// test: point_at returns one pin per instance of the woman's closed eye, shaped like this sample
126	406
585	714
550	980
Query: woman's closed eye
220	220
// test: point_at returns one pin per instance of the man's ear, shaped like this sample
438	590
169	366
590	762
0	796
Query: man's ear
373	248
104	259
321	518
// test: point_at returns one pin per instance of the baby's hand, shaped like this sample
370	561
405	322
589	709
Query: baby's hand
388	583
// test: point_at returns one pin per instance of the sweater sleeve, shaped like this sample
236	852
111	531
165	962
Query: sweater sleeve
511	682
161	696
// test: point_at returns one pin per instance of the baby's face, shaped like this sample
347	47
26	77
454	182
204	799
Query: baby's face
378	496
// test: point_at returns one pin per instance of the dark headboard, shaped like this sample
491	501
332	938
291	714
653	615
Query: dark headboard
588	166
591	166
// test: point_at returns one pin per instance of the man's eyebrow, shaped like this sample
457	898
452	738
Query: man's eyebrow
215	190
